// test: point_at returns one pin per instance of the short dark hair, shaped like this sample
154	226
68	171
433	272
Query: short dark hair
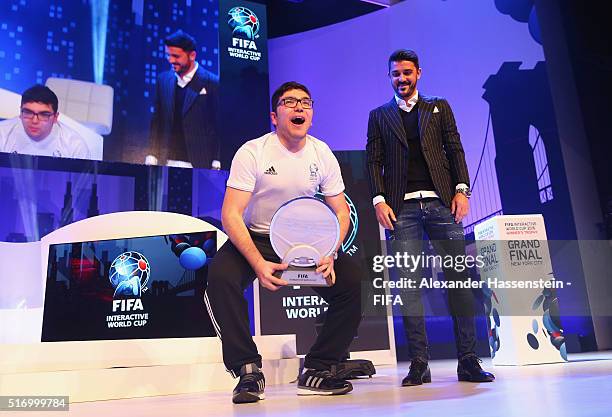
289	85
180	39
40	94
404	55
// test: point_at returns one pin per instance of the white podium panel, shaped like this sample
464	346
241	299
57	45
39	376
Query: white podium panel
91	368
524	325
115	369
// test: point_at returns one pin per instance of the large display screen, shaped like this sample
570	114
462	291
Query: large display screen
136	288
135	81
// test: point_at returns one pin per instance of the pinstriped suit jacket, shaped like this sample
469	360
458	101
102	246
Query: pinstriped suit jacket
200	114
387	150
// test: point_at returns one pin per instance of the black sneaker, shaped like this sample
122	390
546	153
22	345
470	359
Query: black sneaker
314	382
251	387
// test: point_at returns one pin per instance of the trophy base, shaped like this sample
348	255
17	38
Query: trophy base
306	277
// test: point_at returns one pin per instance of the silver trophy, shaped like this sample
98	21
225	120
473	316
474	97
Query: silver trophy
303	231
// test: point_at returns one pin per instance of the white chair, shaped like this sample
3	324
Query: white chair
88	103
9	104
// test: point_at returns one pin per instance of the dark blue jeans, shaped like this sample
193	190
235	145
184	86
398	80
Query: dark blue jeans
431	216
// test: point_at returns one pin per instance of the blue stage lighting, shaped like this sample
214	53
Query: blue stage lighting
99	20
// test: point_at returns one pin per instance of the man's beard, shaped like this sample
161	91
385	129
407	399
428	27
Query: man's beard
183	69
410	91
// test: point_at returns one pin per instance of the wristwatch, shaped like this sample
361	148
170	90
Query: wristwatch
465	191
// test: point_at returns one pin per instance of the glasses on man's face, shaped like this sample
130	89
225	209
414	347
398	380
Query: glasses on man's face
292	102
43	116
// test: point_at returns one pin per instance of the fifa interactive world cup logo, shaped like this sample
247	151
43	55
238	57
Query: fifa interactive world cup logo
243	22
129	274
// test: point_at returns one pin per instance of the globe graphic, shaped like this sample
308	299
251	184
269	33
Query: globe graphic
129	274
243	22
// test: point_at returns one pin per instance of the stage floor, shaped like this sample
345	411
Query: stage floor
581	387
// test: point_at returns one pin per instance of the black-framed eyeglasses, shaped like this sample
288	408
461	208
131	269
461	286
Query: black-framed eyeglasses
43	116
292	102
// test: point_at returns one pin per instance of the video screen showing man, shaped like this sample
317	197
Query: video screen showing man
184	124
37	131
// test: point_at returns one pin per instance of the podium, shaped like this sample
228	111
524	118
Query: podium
523	321
87	369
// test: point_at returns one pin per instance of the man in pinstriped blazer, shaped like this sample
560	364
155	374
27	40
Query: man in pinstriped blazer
420	183
184	128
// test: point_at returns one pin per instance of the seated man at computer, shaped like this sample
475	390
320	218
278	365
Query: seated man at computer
36	131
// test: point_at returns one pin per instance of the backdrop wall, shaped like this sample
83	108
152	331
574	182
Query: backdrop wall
460	44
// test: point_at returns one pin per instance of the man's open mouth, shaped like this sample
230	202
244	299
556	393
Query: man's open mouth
298	120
